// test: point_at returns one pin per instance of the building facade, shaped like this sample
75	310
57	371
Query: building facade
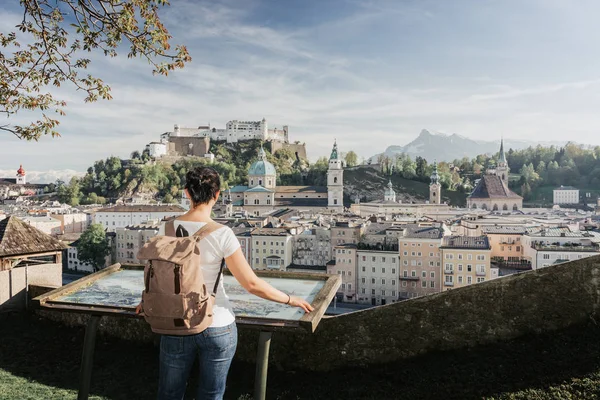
549	246
112	218
271	249
466	260
312	247
344	264
130	239
335	182
378	272
420	261
435	187
566	195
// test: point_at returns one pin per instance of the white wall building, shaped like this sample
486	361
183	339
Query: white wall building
271	248
549	246
121	216
73	262
378	273
47	225
130	239
566	195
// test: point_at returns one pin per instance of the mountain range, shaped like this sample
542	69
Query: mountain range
444	147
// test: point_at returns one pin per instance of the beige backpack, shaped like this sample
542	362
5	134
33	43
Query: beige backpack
175	300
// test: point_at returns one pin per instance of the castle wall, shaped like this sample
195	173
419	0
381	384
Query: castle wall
179	146
295	148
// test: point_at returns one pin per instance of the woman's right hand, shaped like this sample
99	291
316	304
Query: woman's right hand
296	301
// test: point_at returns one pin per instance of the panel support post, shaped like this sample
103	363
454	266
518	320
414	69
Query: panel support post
87	357
262	365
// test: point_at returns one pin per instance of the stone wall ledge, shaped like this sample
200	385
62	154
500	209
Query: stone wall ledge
533	302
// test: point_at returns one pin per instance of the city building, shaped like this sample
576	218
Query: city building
130	239
48	225
312	247
18	186
566	195
377	279
389	194
75	222
491	191
466	260
549	246
420	261
344	264
121	216
271	248
507	246
73	262
346	232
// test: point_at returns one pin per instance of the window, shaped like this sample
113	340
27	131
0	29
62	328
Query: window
373	259
394	293
393	260
364	269
349	286
364	258
362	290
419	254
383	292
364	280
460	279
469	256
343	286
413	273
546	256
432	284
423	274
405	273
406	253
372	291
373	269
460	256
413	262
431	264
480	280
413	284
383	281
469	268
413	253
449	280
372	281
430	254
403	283
432	275
469	280
460	267
405	262
449	256
481	269
383	270
480	257
382	259
393	282
423	284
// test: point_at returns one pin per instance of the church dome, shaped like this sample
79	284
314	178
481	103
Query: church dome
21	171
262	166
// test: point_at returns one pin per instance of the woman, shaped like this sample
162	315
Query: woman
216	345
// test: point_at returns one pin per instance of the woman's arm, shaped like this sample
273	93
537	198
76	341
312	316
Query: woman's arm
244	274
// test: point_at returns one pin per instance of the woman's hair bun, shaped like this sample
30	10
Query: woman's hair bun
203	184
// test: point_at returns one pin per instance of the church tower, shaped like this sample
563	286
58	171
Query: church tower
502	169
389	194
435	189
21	180
335	181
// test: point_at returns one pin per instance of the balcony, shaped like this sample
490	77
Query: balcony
409	278
519	264
573	248
448	283
448	271
480	273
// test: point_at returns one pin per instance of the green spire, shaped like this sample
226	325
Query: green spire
334	151
435	177
502	156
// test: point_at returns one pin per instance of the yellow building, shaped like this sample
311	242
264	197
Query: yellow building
507	249
271	248
466	260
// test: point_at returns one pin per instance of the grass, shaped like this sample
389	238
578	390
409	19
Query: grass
39	359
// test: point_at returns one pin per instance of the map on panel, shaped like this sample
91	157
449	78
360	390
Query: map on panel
124	289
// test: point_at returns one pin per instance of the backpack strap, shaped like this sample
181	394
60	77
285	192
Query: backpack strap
170	228
206	230
203	232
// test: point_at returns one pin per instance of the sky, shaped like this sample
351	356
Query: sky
368	73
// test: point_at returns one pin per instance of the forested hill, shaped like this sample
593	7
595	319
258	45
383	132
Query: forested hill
113	178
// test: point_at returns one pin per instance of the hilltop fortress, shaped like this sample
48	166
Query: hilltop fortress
196	141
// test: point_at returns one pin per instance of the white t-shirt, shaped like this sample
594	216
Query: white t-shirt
213	248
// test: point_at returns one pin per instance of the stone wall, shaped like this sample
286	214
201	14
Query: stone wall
533	302
14	281
299	149
179	146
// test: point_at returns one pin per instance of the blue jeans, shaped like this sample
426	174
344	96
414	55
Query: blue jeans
214	347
